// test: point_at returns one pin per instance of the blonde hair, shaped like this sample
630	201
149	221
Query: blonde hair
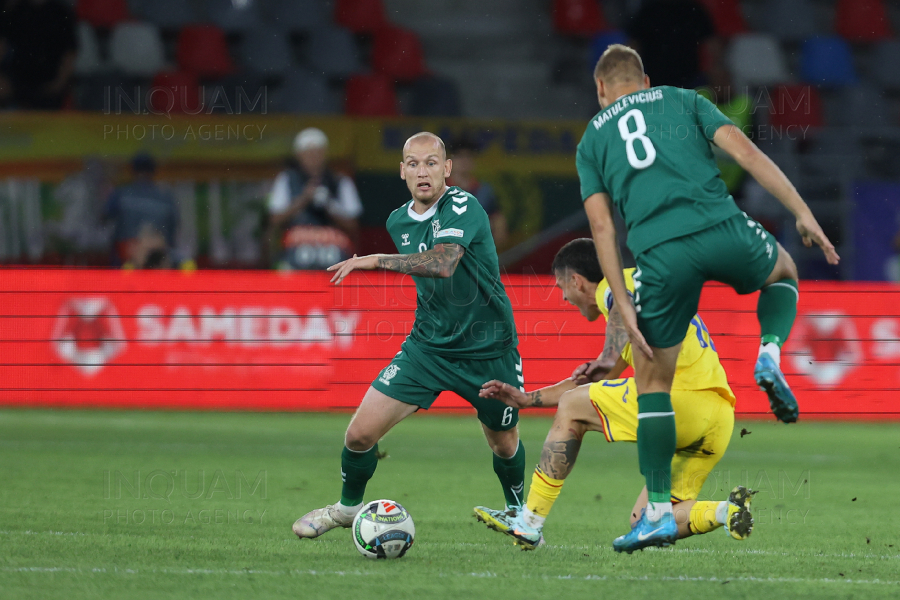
618	64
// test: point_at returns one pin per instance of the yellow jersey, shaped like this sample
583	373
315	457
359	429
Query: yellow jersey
698	365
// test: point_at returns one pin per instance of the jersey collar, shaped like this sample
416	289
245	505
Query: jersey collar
428	213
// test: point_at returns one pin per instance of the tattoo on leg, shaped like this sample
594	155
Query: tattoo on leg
558	456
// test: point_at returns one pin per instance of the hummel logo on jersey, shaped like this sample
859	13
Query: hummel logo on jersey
460	199
459	209
389	373
644	536
405	237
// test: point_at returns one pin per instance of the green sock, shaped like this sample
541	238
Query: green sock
357	469
776	310
656	444
511	473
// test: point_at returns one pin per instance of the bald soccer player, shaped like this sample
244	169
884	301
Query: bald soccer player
463	333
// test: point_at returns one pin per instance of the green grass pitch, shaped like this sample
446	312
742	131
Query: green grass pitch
188	505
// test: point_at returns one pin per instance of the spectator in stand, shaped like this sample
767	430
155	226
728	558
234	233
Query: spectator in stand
669	34
38	45
464	154
143	213
313	210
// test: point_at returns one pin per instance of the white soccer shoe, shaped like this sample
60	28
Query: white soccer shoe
316	522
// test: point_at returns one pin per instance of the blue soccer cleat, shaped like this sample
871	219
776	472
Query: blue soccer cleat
770	380
648	533
510	522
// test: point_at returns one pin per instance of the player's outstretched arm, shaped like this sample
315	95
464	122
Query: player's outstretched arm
613	344
437	262
753	160
597	207
513	396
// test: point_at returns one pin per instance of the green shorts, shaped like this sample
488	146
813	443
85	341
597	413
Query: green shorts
669	277
417	377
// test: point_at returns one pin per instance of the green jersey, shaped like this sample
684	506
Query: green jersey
466	315
650	152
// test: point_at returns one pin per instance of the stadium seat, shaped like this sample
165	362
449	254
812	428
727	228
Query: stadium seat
165	14
306	93
790	20
137	49
300	16
582	18
860	106
102	13
601	42
202	50
266	51
186	92
862	20
241	93
827	61
98	91
371	96
233	17
88	59
795	106
434	97
360	16
756	59
332	51
885	64
397	53
727	17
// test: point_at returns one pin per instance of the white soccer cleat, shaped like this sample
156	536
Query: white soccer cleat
316	522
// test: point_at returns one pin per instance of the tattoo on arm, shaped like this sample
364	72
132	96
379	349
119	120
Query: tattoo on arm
558	455
616	338
536	399
439	261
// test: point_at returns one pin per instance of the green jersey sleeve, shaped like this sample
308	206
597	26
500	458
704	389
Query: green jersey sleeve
460	219
588	172
709	117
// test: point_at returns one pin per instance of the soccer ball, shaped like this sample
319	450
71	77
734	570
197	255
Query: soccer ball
383	529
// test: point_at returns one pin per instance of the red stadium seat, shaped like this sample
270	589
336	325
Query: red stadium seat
862	20
397	53
102	13
371	96
184	96
360	16
727	17
203	50
578	17
795	106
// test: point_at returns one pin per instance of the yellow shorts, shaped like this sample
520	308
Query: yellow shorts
704	421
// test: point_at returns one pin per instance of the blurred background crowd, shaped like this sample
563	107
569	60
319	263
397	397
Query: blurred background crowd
266	133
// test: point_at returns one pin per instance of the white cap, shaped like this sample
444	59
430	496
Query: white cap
310	138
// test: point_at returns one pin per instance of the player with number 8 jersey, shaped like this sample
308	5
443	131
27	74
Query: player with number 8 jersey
649	152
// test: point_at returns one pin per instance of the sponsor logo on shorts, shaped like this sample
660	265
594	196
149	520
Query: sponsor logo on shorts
389	373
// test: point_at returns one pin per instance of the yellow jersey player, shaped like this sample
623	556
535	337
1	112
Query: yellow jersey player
701	397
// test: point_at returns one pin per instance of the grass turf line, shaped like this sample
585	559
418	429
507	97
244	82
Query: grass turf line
178	505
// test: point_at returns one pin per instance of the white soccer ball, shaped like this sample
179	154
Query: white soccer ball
383	529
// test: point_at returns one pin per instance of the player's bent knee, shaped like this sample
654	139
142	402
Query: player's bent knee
785	268
504	444
359	440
